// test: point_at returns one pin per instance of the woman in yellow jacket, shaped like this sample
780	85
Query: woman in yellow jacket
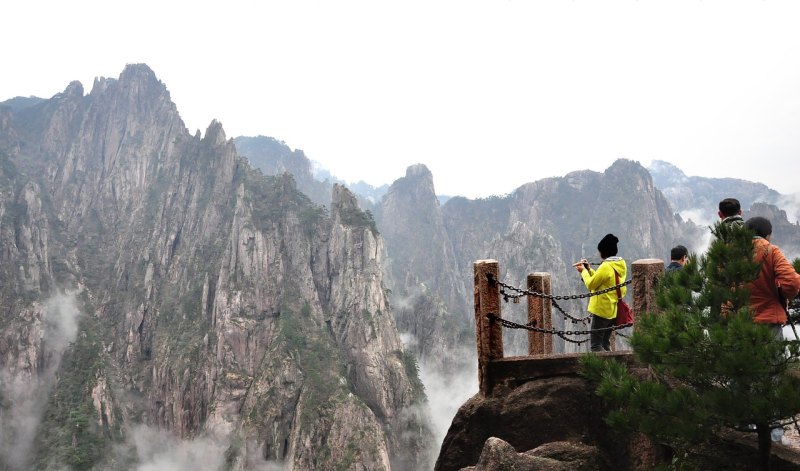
603	307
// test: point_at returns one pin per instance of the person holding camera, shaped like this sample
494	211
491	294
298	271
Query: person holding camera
603	307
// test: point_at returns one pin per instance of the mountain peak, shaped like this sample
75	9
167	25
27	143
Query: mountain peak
138	72
215	133
417	171
74	89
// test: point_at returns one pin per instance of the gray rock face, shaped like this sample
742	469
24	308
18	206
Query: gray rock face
785	234
430	295
549	423
215	302
556	456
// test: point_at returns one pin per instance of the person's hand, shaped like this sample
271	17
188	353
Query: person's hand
579	265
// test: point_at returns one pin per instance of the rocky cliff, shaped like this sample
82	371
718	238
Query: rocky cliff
553	420
432	303
209	301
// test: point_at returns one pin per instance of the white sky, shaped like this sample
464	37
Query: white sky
487	94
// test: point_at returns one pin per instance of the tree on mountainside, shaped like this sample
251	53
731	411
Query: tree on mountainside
711	367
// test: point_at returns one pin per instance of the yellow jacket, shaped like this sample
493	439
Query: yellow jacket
605	305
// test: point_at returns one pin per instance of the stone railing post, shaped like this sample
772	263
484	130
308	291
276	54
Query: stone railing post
645	276
540	312
488	333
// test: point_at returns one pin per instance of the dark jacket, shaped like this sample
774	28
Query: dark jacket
674	266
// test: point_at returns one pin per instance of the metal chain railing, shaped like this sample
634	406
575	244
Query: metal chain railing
524	292
575	320
561	333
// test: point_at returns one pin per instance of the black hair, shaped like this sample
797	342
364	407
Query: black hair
608	246
761	226
729	207
678	252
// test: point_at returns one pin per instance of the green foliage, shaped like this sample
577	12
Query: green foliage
318	359
711	365
357	218
350	455
70	432
271	198
311	217
181	327
412	371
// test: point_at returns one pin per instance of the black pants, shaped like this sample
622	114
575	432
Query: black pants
601	339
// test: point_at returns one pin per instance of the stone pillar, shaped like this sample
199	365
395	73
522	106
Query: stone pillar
489	334
645	276
540	311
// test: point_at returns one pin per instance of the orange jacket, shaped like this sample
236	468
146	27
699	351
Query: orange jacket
776	274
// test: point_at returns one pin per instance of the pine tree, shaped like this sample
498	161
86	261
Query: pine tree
711	366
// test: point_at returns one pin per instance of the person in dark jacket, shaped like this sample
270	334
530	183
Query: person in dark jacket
730	211
678	256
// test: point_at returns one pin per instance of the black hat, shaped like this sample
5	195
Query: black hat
608	246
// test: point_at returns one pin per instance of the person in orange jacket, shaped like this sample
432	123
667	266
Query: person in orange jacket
777	283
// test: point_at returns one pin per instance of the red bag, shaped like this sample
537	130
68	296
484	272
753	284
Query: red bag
624	312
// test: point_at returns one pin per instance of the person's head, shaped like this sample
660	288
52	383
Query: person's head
761	226
679	254
729	207
608	246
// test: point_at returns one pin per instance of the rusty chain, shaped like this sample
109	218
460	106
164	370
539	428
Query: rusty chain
524	292
561	333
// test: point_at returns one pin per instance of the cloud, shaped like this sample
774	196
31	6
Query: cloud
61	322
22	396
448	389
702	218
158	450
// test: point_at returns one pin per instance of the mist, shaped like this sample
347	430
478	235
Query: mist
23	394
448	390
703	218
791	204
158	450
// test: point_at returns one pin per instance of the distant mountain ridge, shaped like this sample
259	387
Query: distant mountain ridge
685	192
274	157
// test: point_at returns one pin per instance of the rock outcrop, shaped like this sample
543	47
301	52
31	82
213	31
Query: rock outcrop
538	415
430	295
557	422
